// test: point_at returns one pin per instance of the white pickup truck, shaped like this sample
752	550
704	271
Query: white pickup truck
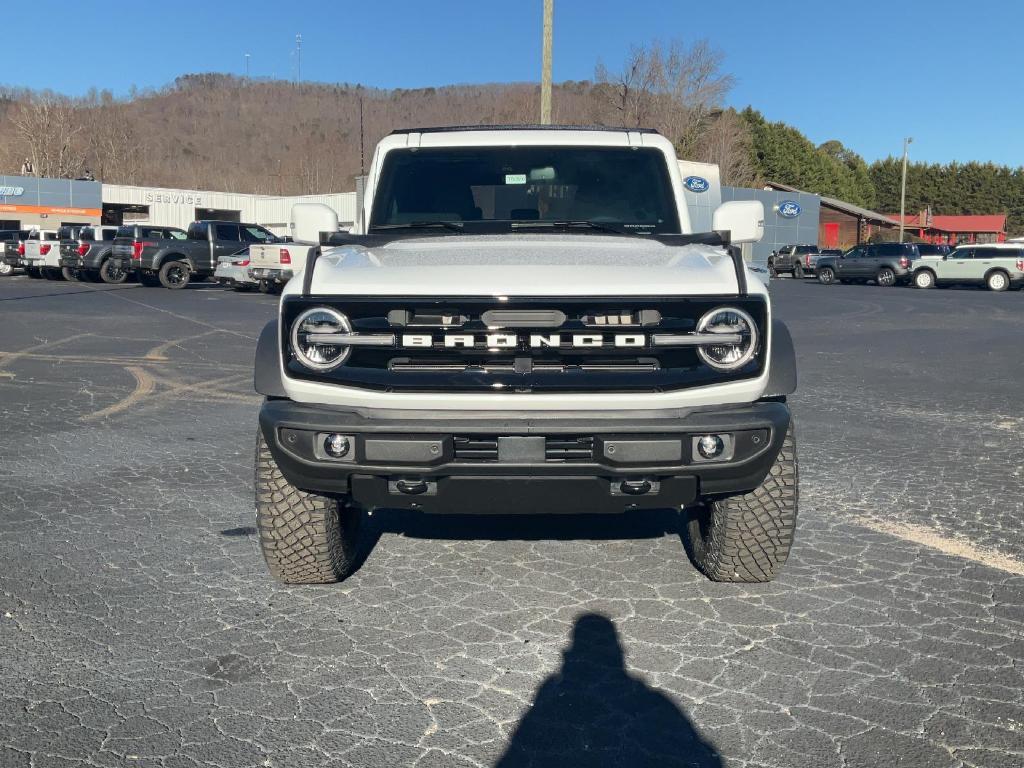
42	254
523	321
271	266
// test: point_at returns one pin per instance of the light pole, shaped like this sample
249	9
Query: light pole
545	74
903	186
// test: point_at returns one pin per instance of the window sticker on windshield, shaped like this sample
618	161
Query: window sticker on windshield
515	178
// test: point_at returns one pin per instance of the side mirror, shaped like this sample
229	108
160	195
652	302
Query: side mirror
743	219
309	220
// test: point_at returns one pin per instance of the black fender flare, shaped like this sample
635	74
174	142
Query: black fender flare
267	371
782	376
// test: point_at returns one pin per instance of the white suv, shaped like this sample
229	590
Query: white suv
523	322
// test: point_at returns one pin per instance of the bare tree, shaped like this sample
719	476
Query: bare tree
48	128
726	141
673	88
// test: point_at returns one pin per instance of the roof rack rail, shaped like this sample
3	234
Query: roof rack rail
525	127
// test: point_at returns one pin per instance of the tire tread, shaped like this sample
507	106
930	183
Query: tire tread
748	538
305	538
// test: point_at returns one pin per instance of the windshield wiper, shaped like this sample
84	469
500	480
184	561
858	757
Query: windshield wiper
453	226
576	224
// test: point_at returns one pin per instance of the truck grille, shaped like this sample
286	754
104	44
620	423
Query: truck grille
523	345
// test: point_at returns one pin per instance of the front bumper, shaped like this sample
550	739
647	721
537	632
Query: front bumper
514	463
272	275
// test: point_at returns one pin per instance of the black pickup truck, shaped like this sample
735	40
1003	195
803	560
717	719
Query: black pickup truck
85	254
172	258
10	242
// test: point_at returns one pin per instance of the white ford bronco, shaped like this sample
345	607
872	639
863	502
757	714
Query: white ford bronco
522	321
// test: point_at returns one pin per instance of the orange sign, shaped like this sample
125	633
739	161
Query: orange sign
4	208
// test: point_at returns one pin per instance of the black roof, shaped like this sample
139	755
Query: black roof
528	127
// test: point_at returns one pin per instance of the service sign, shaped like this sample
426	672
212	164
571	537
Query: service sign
789	209
183	198
12	191
697	184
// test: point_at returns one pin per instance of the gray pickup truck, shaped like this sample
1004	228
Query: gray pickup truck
179	258
85	254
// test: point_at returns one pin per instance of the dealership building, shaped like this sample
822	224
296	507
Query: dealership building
28	202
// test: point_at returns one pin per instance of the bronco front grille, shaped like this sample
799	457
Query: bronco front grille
532	345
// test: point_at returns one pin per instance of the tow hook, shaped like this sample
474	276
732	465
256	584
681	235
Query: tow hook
636	487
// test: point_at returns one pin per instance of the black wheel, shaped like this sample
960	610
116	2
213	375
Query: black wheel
174	274
924	278
798	271
148	279
997	280
826	276
69	274
885	277
34	272
264	286
772	272
306	539
747	538
114	275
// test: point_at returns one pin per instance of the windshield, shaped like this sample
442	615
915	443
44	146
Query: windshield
478	187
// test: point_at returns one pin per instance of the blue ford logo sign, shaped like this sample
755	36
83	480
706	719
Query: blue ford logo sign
789	209
696	184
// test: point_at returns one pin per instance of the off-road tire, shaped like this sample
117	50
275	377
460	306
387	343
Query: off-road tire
798	272
747	538
924	279
175	275
997	280
69	274
149	281
107	275
826	276
772	271
306	539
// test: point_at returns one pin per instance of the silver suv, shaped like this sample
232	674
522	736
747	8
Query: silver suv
998	266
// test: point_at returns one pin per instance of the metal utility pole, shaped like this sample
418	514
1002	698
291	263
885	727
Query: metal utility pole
545	76
903	187
362	156
247	66
298	57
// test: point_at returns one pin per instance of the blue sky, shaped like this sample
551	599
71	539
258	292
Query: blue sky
866	72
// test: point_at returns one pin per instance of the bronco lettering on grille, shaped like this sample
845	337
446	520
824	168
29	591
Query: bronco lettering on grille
534	341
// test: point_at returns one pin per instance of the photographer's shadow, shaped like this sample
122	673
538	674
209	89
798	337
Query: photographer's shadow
592	712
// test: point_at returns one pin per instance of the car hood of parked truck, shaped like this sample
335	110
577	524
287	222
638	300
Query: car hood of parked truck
524	265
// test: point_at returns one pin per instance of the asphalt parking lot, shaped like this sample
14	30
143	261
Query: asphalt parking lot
139	627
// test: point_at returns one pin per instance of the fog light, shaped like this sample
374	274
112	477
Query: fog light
710	446
336	446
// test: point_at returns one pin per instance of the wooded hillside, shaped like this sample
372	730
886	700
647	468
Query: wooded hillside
220	132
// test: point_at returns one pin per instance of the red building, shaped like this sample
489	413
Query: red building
956	229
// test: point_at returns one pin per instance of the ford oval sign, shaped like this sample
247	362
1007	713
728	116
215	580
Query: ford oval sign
789	209
697	184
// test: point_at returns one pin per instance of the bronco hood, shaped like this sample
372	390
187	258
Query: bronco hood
523	265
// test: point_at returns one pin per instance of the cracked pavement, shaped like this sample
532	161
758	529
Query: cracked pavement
139	627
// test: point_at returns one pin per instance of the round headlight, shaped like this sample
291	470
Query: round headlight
728	321
315	353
